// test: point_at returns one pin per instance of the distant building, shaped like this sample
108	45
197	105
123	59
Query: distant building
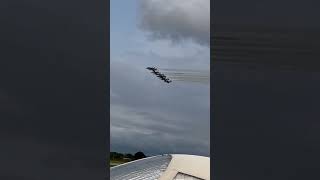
164	167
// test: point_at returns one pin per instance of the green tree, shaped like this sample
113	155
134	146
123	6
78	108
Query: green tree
129	156
139	155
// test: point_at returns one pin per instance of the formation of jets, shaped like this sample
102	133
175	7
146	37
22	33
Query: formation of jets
158	74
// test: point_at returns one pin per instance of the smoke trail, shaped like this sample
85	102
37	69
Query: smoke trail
183	70
187	75
191	81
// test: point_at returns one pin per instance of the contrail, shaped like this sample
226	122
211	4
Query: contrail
183	70
187	75
191	81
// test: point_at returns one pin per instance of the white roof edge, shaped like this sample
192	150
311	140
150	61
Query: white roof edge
193	165
190	155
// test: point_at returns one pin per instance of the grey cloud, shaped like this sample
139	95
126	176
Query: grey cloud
176	19
154	135
153	117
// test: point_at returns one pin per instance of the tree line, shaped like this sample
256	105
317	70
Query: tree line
128	156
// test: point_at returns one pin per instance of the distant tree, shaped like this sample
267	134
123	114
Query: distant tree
115	155
139	155
129	156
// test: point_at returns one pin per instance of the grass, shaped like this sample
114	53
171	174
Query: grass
117	162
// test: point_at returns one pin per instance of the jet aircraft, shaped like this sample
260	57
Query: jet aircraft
158	74
155	72
167	80
152	68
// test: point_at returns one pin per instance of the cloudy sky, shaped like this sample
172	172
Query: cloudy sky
147	114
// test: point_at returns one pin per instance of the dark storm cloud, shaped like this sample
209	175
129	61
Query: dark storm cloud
53	89
176	19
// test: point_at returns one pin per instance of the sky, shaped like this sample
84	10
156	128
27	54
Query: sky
145	113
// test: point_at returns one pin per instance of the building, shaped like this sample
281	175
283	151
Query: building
164	167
